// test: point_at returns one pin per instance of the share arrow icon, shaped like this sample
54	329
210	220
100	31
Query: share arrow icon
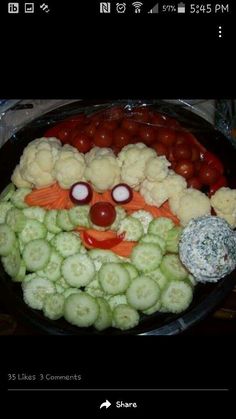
105	404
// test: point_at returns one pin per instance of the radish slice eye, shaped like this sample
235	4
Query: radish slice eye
81	193
122	194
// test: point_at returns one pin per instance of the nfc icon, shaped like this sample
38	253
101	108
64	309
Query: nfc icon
13	7
105	7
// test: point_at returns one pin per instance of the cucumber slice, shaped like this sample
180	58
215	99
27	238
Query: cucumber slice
51	222
104	319
172	268
36	290
53	306
116	300
67	244
159	277
18	197
36	255
177	296
143	293
53	269
4	208
20	276
78	270
114	278
7	239
191	280
160	226
172	239
28	278
146	256
152	238
81	309
100	256
49	236
16	219
79	216
94	288
120	215
70	291
12	262
144	217
32	230
125	317
156	307
62	283
7	192
133	273
63	220
132	228
35	213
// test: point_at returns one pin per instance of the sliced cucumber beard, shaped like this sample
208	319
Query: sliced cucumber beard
16	219
132	228
125	317
53	306
146	256
104	319
18	197
7	240
36	290
7	192
177	296
51	222
63	220
78	270
160	226
4	208
32	230
172	267
66	243
35	213
172	239
12	262
52	271
79	216
81	309
159	277
143	293
114	278
153	238
36	255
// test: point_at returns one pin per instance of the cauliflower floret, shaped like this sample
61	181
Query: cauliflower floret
154	193
97	152
69	167
132	160
175	184
224	204
18	180
37	161
103	172
192	204
157	168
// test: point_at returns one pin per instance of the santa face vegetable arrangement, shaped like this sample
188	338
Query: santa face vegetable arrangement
109	218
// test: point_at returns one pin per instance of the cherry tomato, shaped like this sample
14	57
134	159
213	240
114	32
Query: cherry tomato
213	161
161	149
82	142
172	123
185	168
129	125
208	175
147	134
182	152
103	137
110	125
90	129
166	136
181	138
64	135
95	118
114	113
121	138
158	119
141	114
102	214
194	182
195	154
222	181
198	164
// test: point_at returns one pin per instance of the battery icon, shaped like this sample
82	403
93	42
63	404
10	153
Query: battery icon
181	8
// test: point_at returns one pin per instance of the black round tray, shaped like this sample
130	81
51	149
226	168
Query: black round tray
206	297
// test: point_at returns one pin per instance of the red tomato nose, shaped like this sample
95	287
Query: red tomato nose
103	214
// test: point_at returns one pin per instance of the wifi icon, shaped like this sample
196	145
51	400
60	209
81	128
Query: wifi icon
137	6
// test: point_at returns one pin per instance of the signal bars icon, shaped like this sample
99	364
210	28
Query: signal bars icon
137	6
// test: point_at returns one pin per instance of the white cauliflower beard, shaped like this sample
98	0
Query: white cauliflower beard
132	159
103	173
